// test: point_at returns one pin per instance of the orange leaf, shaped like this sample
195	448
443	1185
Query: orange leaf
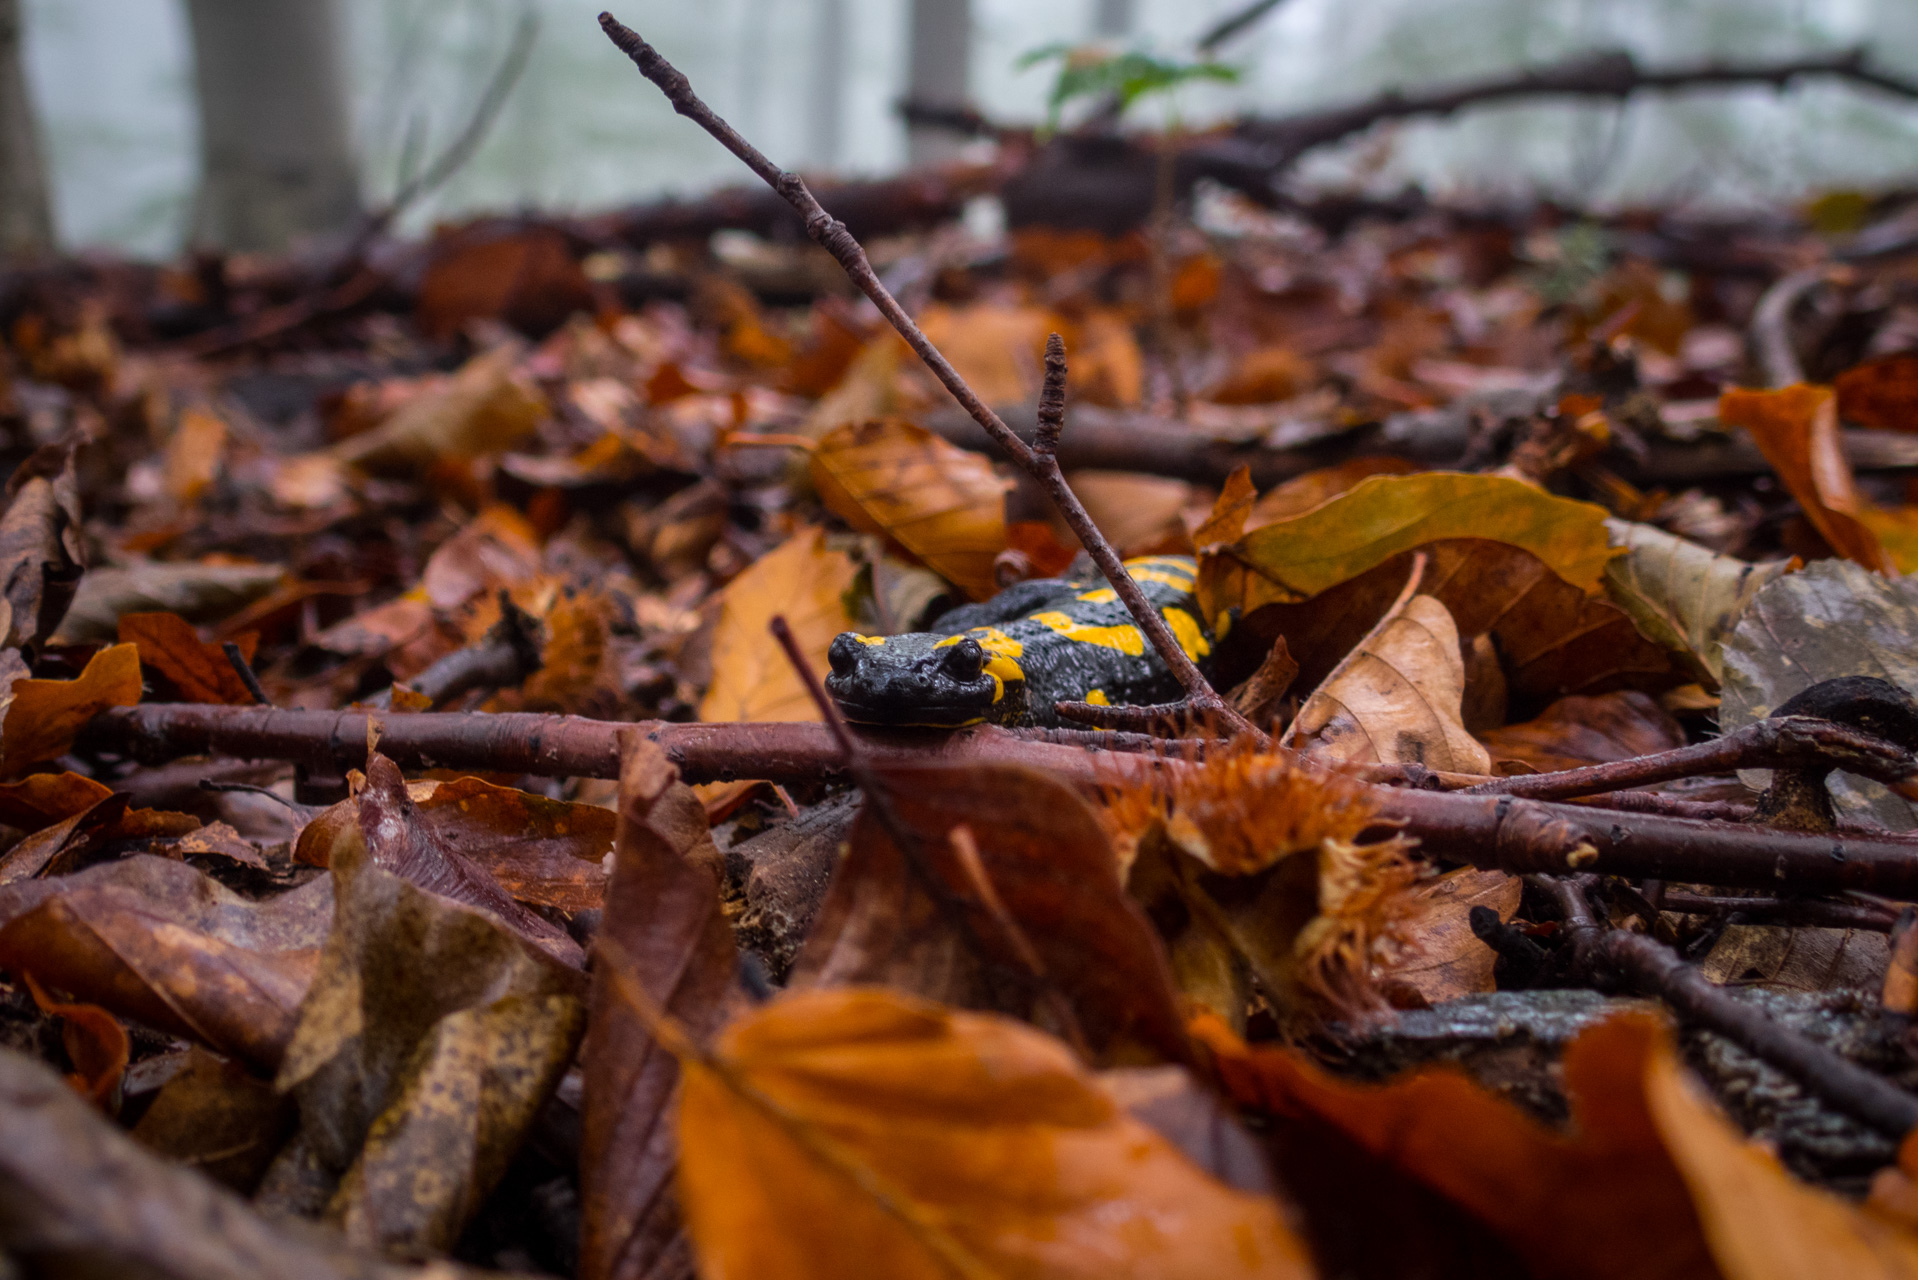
943	504
1796	428
995	347
39	800
860	1132
96	1043
169	644
806	583
47	715
1556	1198
1881	393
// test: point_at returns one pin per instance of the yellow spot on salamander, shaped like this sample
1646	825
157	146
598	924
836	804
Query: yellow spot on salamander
991	639
1126	639
875	641
1185	629
1003	670
1104	595
1097	698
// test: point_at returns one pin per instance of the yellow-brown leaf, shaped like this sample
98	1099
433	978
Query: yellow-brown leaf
806	583
46	715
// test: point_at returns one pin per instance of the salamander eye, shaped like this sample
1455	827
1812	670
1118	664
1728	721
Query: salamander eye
844	654
966	661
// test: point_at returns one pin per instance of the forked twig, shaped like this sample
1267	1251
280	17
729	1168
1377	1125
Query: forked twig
1039	459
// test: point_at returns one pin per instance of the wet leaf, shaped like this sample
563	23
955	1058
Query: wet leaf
1397	701
40	800
430	1037
156	941
46	715
1682	595
1383	516
1446	960
670	938
42	553
200	671
997	348
1796	428
1832	619
806	583
944	505
860	1131
1575	732
1557	1198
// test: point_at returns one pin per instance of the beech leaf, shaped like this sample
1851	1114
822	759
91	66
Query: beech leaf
47	715
1682	595
804	582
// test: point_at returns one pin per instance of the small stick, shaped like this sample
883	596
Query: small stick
1814	912
1649	966
244	670
1041	463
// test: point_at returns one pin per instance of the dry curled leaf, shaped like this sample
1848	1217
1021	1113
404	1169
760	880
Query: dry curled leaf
1796	428
1682	595
487	407
200	671
862	1132
47	715
42	554
944	505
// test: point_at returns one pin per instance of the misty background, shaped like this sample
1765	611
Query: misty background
815	83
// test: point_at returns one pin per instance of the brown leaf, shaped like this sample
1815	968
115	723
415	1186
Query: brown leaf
1226	522
996	347
40	800
398	838
194	454
70	843
46	715
526	277
1557	1198
203	593
485	408
42	554
1784	959
157	941
1265	375
1899	992
1139	514
944	505
1574	732
200	671
219	1119
1881	393
1314	489
1796	428
806	583
670	938
429	1039
1397	701
95	1042
1051	865
1447	960
862	1132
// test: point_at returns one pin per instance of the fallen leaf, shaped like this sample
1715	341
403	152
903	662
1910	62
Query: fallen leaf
46	715
1831	619
944	505
1784	959
1379	518
997	348
1446	959
1881	393
805	583
484	408
1556	1197
1138	513
39	800
96	1043
429	1039
200	593
670	938
1796	428
864	1132
1682	595
71	842
1264	375
1575	732
525	276
156	941
42	553
219	1119
194	454
1314	489
200	671
1398	699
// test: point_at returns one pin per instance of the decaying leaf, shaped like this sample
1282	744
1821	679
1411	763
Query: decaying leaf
1797	430
806	583
487	407
193	455
42	554
1574	732
96	1043
1682	595
200	593
1386	515
218	1118
939	502
430	1037
157	941
1445	959
996	348
670	939
1832	619
39	800
1397	700
46	715
864	1132
200	671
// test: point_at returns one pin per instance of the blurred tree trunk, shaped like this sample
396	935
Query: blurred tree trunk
1114	17
26	215
939	67
832	34
276	149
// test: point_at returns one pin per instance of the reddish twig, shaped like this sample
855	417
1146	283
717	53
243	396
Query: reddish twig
1818	913
1784	742
1037	461
1643	964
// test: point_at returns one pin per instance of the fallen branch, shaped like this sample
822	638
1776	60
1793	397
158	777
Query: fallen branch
1643	964
1038	459
1613	75
1497	832
1816	913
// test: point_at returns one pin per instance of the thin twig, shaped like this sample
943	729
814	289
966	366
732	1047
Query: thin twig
832	235
1646	965
1818	913
1233	24
244	670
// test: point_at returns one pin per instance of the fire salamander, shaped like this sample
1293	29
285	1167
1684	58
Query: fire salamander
1008	660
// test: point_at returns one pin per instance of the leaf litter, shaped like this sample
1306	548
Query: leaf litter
1473	506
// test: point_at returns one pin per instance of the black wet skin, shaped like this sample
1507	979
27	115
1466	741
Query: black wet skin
926	679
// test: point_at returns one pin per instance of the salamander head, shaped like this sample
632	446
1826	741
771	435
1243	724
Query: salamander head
923	679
